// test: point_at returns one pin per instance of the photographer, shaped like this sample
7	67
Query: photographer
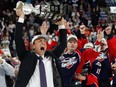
5	69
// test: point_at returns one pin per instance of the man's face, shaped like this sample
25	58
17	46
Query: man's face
82	28
72	45
40	46
108	30
103	47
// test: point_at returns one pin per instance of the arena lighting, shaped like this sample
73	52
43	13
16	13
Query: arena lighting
52	10
113	9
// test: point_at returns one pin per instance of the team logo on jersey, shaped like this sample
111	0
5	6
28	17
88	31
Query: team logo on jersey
68	62
98	64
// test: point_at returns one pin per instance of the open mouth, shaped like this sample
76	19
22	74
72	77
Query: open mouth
42	48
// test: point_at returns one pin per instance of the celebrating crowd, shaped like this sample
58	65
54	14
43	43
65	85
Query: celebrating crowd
76	51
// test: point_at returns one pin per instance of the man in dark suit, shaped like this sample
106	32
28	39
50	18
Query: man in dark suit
29	72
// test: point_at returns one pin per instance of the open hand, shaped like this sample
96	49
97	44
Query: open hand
20	13
79	76
61	22
82	29
44	28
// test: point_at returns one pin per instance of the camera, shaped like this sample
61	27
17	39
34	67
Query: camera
51	11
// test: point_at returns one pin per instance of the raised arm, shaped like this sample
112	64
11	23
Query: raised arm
62	38
20	46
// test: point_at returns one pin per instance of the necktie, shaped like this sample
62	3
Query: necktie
42	73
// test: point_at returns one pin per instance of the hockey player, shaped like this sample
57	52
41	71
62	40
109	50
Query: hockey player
106	71
69	61
91	67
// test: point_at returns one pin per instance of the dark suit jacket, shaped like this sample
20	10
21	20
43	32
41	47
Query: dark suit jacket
29	59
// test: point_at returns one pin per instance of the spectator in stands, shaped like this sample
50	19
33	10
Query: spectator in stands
80	33
93	35
94	17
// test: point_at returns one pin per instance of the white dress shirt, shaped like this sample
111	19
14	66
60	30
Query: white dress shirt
35	79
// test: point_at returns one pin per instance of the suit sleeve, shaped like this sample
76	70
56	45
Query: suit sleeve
59	49
20	46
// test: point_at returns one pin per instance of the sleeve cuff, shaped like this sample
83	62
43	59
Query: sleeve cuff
21	20
61	27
